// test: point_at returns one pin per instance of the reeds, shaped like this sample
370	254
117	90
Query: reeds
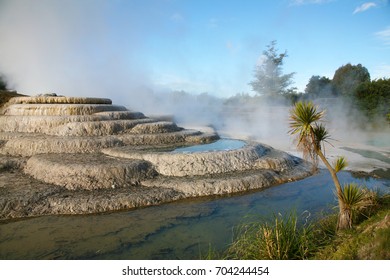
280	239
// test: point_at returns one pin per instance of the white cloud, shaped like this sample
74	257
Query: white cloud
384	35
364	7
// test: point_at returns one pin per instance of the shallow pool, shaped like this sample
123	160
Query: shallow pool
219	145
180	230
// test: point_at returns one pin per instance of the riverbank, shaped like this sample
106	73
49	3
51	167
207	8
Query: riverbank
183	229
368	240
295	236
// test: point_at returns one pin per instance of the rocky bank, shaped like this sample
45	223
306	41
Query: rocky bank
73	155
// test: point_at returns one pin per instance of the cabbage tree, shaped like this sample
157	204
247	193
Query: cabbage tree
305	123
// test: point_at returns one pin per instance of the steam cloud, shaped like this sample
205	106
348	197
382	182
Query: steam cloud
74	48
71	47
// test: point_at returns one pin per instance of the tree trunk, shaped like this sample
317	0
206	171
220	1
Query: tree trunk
345	215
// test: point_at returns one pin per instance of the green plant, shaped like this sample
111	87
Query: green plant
280	239
339	164
358	200
305	120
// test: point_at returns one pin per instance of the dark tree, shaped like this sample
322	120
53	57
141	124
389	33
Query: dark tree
319	87
348	77
269	79
373	98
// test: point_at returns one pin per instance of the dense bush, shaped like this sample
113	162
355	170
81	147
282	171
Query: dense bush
373	98
347	79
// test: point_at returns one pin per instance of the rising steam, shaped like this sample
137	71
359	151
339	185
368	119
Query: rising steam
75	48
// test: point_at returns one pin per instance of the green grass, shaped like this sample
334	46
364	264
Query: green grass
280	239
294	237
369	240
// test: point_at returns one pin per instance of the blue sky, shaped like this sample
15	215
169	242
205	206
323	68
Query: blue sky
192	45
215	45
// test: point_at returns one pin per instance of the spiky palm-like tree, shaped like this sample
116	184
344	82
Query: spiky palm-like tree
305	120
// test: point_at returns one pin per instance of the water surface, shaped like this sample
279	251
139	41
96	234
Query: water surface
219	145
180	230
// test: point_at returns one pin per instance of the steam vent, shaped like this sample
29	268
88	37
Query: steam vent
73	155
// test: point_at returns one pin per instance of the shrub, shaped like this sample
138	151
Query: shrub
359	200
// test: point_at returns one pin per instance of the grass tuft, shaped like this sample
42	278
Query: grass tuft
280	239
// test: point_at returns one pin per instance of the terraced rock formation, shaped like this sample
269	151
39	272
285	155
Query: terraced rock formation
72	155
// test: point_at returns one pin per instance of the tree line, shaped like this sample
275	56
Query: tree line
351	83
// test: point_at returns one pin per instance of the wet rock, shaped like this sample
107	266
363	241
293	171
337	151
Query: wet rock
71	155
28	145
88	171
24	196
155	127
58	109
220	184
58	100
252	156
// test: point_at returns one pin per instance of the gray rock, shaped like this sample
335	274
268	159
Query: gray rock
76	155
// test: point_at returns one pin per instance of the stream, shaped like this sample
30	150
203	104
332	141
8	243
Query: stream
178	230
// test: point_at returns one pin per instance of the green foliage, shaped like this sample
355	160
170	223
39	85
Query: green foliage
320	134
304	118
358	200
369	240
293	237
269	80
339	164
373	98
281	239
319	87
348	78
239	99
292	97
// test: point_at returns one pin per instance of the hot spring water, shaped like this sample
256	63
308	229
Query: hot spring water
179	230
219	145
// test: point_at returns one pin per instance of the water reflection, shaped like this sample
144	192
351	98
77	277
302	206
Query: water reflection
219	145
180	230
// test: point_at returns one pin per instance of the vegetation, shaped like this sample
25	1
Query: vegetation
319	87
311	134
282	239
269	80
357	200
350	85
373	99
297	237
347	79
369	240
